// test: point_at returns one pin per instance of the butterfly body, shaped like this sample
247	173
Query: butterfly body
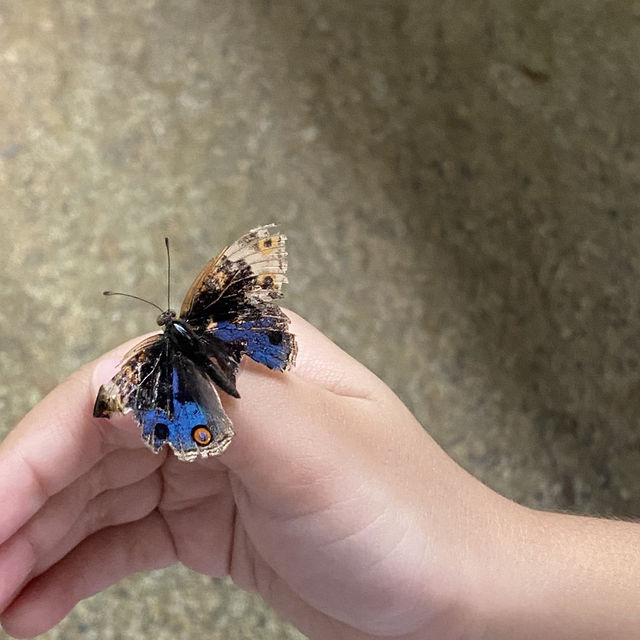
187	342
168	381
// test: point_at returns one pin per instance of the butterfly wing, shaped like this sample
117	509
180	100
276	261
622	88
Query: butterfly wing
140	383
230	304
250	271
263	334
170	399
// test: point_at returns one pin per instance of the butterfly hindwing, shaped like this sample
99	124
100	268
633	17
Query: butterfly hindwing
195	424
264	336
170	399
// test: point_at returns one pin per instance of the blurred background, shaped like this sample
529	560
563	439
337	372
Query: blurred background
459	183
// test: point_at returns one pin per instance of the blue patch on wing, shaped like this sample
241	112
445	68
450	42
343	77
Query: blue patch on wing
196	404
263	342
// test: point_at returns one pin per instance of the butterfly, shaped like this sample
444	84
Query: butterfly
168	381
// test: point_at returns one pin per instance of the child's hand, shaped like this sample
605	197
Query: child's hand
331	502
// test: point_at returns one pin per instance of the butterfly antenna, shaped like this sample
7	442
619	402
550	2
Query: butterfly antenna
166	244
129	295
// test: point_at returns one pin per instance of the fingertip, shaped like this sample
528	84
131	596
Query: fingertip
322	362
20	621
103	369
99	561
106	366
29	624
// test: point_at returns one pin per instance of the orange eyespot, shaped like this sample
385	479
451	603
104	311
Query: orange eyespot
265	281
268	245
201	435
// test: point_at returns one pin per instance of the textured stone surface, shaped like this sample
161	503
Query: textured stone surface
459	182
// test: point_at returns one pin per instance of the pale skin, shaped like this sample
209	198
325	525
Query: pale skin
332	503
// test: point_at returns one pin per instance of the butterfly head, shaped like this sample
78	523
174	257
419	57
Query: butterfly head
166	317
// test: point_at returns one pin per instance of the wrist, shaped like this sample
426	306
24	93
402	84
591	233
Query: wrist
560	577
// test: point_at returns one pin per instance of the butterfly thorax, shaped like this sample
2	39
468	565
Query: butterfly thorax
188	344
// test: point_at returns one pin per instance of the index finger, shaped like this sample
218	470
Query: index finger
54	444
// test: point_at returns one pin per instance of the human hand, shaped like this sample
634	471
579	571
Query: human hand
318	504
331	502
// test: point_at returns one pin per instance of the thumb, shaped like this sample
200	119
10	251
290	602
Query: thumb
330	421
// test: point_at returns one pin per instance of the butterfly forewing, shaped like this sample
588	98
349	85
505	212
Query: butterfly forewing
250	271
